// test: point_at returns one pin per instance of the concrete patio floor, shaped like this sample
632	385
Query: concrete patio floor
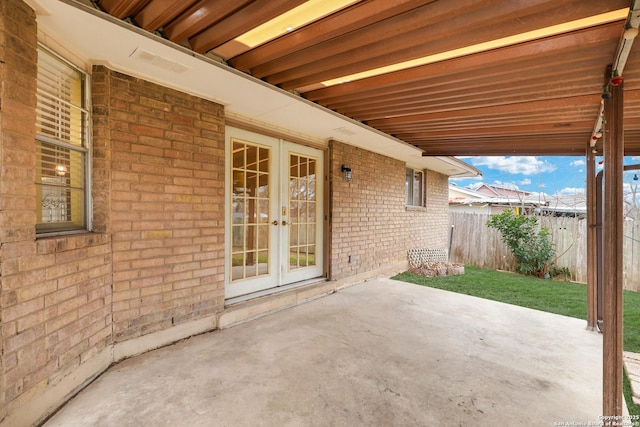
381	353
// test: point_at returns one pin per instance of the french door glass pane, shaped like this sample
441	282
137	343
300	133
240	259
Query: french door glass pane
302	211
250	253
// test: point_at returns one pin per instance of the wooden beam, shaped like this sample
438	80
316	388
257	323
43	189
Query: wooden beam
579	59
515	130
199	17
159	12
254	14
122	8
435	33
522	145
541	125
613	239
592	259
328	53
345	21
592	101
468	96
568	41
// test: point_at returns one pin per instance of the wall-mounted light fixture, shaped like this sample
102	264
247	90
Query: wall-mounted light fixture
346	173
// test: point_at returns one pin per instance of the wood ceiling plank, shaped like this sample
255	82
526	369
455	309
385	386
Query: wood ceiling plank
550	144
446	109
352	18
526	145
255	13
571	139
158	13
442	107
631	95
122	8
632	123
463	98
200	16
536	129
499	71
445	88
569	102
524	148
590	36
391	27
552	117
568	141
514	131
490	23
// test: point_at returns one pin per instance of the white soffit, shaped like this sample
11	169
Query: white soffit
102	39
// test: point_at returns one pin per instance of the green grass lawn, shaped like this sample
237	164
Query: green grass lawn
559	297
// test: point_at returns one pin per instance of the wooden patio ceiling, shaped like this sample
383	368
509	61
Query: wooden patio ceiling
536	95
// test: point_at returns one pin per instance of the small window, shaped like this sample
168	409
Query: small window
62	145
414	184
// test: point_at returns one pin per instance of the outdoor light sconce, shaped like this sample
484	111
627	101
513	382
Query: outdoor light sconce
346	173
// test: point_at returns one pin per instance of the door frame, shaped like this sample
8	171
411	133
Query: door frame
231	131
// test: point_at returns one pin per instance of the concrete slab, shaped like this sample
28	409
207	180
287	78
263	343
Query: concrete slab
382	353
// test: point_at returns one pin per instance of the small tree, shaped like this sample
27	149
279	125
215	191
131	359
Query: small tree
531	248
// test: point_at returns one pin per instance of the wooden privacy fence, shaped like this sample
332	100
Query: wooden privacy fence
476	244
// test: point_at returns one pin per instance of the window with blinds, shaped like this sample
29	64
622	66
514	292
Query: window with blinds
62	145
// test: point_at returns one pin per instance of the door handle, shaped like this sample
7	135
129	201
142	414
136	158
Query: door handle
275	223
284	222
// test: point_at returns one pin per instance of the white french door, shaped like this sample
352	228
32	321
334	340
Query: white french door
274	221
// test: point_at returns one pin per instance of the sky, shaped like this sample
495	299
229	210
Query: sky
551	175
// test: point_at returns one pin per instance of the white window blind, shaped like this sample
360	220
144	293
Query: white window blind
62	145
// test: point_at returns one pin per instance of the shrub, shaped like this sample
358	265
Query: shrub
531	247
556	270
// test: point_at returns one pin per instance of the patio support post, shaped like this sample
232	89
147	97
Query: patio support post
592	253
613	235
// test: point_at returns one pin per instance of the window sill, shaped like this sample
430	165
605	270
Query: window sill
59	242
415	208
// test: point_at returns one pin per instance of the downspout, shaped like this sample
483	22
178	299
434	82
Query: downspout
599	250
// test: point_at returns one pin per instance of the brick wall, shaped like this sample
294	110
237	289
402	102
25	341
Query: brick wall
155	258
166	193
369	219
17	188
55	293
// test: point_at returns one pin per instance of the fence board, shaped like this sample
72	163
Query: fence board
476	244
